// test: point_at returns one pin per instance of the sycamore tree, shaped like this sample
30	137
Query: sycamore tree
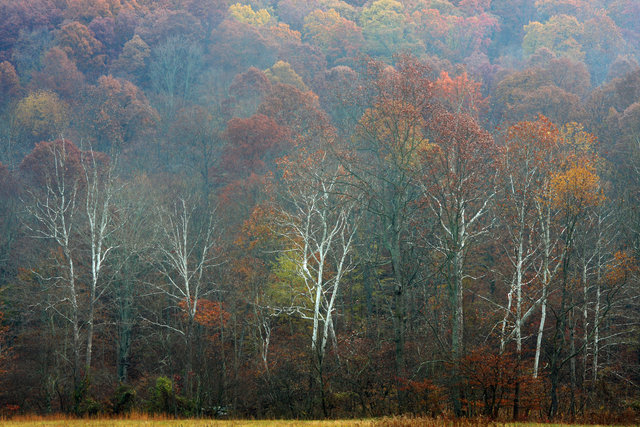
457	185
188	252
524	165
69	198
101	215
317	222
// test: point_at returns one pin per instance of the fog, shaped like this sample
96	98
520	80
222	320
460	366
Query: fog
320	209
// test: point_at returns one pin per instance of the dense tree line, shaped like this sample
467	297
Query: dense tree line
320	208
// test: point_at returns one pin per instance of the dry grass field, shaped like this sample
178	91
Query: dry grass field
144	420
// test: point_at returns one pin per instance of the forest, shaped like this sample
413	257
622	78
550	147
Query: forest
320	208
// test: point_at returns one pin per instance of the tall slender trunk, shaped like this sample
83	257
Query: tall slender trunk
596	332
188	369
457	333
596	315
543	317
90	321
561	322
74	320
518	322
585	319
317	350
545	222
97	204
518	326
458	321
503	328
222	386
399	306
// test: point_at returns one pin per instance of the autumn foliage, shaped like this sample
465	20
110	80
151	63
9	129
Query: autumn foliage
320	209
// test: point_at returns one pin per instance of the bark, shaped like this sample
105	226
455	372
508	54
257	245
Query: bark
544	217
320	230
54	209
98	206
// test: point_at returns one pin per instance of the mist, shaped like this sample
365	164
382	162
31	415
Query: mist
320	209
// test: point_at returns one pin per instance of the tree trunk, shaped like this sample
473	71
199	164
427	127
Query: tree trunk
545	223
75	321
90	321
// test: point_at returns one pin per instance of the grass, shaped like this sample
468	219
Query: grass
147	420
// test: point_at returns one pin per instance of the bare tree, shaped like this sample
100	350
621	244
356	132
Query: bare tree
101	217
173	72
187	254
53	201
318	223
70	196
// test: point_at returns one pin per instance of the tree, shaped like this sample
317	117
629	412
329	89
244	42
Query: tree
573	191
9	82
340	81
514	15
253	145
133	60
173	72
534	91
101	216
461	94
85	10
453	36
248	90
197	136
19	16
579	8
383	157
5	348
115	112
307	60
81	46
318	225
188	251
383	26
299	111
164	23
569	75
232	37
41	116
130	267
560	34
525	162
69	197
29	49
293	12
281	72
523	171
623	13
104	30
336	36
8	221
210	12
605	42
245	14
59	75
459	192
54	203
